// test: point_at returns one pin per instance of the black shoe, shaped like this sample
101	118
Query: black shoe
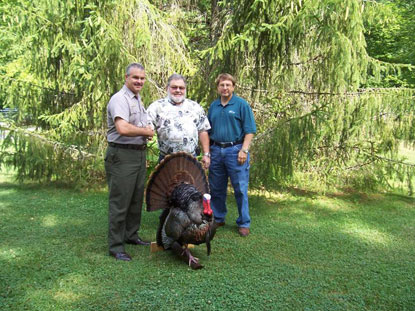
138	241
121	256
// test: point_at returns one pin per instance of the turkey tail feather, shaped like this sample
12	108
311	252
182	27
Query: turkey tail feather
162	219
174	169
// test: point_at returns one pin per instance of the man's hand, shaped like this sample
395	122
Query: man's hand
242	156
126	129
206	162
150	134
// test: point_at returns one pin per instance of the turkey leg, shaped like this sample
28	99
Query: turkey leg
186	256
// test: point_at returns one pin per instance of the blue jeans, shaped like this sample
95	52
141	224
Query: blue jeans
224	164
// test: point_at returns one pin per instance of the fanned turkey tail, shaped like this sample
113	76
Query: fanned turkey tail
175	169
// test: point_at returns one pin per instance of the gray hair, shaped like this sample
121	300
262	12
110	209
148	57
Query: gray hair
133	65
176	76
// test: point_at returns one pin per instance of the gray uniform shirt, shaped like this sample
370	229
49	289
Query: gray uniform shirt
127	106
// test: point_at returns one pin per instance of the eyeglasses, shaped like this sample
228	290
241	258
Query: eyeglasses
223	85
181	88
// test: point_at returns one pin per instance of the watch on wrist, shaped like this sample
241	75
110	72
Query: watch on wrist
245	150
207	154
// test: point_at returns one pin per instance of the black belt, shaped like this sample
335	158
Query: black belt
226	145
128	146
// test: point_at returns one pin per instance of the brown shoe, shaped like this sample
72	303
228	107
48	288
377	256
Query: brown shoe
243	231
218	224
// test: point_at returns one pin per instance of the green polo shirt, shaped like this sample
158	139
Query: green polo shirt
232	122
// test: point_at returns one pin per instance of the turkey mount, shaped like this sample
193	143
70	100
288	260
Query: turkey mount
179	186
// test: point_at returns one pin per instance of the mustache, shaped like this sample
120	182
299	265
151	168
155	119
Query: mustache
176	98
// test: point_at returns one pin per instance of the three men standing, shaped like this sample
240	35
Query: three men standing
180	124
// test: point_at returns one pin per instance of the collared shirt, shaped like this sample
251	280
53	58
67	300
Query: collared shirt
127	106
232	122
177	126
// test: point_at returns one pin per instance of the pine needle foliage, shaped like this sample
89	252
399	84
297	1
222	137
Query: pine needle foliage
70	59
322	110
303	66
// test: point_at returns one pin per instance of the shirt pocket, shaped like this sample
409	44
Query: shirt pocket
135	115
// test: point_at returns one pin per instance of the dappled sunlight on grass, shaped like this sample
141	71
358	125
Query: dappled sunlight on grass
69	287
335	205
52	299
50	221
367	235
10	254
268	195
67	296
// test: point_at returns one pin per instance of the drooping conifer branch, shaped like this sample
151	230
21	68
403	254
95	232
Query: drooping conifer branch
303	66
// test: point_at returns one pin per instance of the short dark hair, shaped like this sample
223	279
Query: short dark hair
225	76
176	76
133	65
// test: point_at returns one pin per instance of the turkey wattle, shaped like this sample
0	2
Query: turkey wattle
178	185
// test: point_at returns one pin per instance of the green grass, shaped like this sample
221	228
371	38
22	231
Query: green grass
306	252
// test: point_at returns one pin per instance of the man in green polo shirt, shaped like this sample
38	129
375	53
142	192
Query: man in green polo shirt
125	162
232	129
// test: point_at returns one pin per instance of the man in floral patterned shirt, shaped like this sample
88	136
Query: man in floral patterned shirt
179	122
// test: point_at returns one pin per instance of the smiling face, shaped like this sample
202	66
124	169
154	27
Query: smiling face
177	90
225	88
135	79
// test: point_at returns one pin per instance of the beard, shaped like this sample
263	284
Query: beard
176	99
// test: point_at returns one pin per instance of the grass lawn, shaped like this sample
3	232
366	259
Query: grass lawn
306	252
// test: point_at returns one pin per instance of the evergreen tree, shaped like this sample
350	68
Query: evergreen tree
303	65
69	58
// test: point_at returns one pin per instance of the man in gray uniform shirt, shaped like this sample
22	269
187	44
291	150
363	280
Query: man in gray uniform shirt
125	162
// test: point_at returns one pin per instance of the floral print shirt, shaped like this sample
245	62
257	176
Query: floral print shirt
177	126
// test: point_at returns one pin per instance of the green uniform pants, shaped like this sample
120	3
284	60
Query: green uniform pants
126	172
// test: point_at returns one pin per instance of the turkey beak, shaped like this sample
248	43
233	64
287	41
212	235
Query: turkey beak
206	205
